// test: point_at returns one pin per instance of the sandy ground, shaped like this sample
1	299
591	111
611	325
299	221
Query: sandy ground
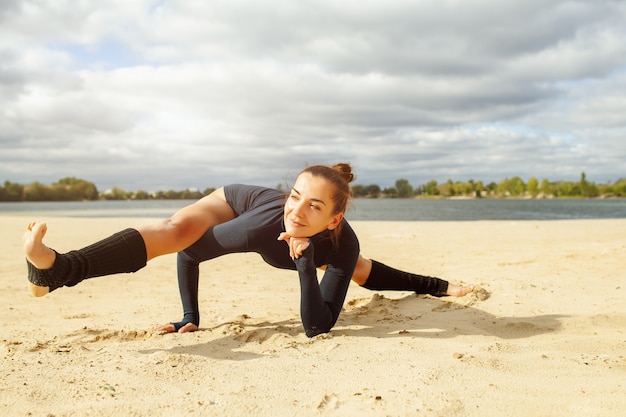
550	340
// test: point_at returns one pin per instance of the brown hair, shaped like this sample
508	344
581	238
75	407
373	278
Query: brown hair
340	175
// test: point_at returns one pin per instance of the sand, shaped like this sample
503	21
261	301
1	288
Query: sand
543	336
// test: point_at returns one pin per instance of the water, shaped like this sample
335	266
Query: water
488	209
363	209
116	208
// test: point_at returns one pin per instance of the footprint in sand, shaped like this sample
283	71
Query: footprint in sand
87	336
375	304
329	402
247	330
258	336
78	316
94	336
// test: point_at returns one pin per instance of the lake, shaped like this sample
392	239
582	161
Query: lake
362	209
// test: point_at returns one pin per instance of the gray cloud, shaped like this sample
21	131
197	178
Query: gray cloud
157	95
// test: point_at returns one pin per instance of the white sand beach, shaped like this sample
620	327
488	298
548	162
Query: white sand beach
543	335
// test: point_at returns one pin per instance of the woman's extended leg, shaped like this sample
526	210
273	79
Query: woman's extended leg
126	251
374	275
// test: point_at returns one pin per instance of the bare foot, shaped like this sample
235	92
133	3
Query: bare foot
458	291
37	253
169	328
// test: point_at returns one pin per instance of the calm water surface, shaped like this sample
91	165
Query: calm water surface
363	209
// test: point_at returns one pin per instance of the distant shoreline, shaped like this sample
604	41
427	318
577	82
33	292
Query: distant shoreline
371	209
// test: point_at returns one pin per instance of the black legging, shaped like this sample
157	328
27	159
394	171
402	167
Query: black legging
320	303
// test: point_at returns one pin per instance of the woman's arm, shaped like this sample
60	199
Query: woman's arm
320	304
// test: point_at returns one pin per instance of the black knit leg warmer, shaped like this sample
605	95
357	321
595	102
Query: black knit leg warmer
383	277
124	251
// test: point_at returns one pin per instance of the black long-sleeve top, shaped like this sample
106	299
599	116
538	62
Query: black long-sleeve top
256	228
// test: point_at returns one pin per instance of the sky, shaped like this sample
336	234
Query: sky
157	95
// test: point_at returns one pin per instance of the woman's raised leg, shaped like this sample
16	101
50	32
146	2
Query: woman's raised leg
126	251
186	225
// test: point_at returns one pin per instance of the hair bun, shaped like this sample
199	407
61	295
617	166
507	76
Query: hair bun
345	170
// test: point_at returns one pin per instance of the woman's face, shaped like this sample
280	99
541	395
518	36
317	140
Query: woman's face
309	207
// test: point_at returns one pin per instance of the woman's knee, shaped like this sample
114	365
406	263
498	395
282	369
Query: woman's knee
164	236
362	270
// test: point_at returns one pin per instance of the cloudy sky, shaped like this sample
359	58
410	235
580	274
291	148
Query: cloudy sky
145	94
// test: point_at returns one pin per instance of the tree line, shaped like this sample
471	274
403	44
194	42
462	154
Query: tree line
509	187
75	189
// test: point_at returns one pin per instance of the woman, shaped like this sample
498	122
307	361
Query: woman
241	218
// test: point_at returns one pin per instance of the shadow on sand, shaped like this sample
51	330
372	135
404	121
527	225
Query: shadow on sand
377	316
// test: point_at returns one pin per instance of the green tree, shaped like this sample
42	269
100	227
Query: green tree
592	191
12	191
359	191
391	192
619	188
513	187
172	195
447	189
36	192
470	187
74	189
190	194
87	190
116	193
564	189
480	189
405	190
533	186
459	188
545	188
373	191
430	188
366	191
588	189
141	195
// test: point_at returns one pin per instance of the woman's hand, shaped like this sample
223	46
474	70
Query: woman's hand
297	245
